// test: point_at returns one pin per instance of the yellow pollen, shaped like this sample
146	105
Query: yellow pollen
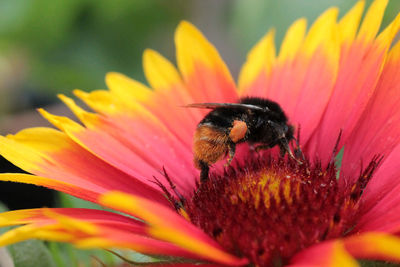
264	185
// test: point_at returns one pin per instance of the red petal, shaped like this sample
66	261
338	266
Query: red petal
359	71
381	198
326	254
205	74
124	141
167	225
378	130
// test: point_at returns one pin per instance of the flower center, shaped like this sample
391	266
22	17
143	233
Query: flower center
268	209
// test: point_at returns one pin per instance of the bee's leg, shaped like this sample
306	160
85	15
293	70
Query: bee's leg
231	153
261	147
284	147
204	169
282	150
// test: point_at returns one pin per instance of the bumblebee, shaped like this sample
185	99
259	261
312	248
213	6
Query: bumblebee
253	120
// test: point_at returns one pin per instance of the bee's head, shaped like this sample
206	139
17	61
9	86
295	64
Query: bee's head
282	131
289	134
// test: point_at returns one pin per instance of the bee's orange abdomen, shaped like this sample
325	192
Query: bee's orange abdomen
209	145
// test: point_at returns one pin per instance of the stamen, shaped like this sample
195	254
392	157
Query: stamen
268	208
178	205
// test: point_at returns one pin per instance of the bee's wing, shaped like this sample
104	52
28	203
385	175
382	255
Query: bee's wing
228	105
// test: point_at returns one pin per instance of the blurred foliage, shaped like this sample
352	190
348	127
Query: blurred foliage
31	253
55	46
366	263
251	19
49	47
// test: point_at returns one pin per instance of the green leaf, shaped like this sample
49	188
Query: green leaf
68	201
31	253
367	263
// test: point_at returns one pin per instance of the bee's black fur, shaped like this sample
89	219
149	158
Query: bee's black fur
267	124
256	120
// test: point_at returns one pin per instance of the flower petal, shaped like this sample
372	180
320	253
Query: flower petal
340	252
126	89
378	129
363	59
387	208
294	83
49	153
175	229
205	74
154	104
372	20
78	189
139	98
348	25
374	245
90	229
258	65
381	198
100	217
293	40
327	254
160	73
172	95
118	142
101	101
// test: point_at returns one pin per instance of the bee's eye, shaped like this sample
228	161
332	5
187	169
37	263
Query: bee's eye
286	128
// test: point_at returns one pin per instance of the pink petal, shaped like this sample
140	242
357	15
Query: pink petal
175	229
381	198
359	71
378	130
205	75
325	254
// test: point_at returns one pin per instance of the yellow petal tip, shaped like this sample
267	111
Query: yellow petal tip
127	89
323	34
194	50
184	24
159	72
372	20
259	60
293	40
350	22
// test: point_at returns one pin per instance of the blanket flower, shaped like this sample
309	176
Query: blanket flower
338	83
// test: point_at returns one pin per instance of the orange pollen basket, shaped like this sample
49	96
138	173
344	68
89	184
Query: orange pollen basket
266	209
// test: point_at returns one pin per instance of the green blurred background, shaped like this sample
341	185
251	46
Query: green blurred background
48	47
